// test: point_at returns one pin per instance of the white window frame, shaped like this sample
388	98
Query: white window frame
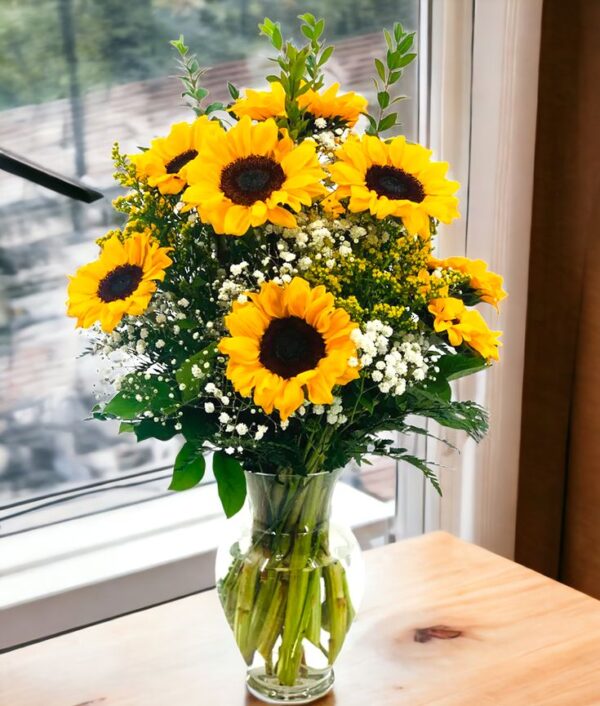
478	61
484	87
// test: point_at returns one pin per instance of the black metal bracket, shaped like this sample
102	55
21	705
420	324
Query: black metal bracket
73	188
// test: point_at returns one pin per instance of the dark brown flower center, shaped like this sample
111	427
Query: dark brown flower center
290	346
251	179
394	183
120	283
180	161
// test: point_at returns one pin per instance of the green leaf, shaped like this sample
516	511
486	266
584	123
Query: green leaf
326	55
308	18
405	60
189	467
233	91
149	429
388	122
126	427
398	31
138	395
197	425
179	45
185	375
276	38
367	403
439	387
307	31
394	76
424	468
455	366
383	98
466	416
200	93
405	44
388	39
214	106
380	69
231	481
372	129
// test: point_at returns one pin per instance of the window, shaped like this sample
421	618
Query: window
66	95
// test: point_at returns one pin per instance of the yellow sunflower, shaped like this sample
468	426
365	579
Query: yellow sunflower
260	105
286	340
463	325
165	163
394	179
119	282
486	283
344	109
248	175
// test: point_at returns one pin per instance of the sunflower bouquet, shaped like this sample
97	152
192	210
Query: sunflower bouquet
273	298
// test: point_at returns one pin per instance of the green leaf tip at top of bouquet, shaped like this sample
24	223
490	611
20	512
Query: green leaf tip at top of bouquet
398	56
273	297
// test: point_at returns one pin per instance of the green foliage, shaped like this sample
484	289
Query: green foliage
189	467
465	416
398	57
202	364
301	69
194	93
231	481
140	392
319	54
149	429
292	63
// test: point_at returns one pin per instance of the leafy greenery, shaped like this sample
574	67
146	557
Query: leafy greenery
189	467
140	392
183	385
397	58
194	94
231	481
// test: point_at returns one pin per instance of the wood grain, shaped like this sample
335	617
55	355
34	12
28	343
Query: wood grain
496	634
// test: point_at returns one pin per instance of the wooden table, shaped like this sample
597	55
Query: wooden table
443	623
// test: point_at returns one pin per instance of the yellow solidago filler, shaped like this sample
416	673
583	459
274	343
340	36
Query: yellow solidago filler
165	164
464	325
119	282
345	108
260	105
394	179
288	343
249	175
488	284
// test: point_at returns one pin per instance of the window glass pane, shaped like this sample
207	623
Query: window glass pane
76	75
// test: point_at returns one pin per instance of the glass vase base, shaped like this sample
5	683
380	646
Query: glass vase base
309	687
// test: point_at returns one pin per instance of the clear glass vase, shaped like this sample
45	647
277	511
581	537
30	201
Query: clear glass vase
290	584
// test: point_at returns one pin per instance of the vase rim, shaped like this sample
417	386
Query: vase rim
320	474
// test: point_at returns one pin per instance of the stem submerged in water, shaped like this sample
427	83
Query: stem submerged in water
287	590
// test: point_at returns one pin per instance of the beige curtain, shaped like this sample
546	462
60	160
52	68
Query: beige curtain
558	523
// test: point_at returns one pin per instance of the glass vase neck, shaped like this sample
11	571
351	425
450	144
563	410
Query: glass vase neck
290	503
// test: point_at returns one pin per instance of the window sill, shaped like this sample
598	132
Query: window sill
77	573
